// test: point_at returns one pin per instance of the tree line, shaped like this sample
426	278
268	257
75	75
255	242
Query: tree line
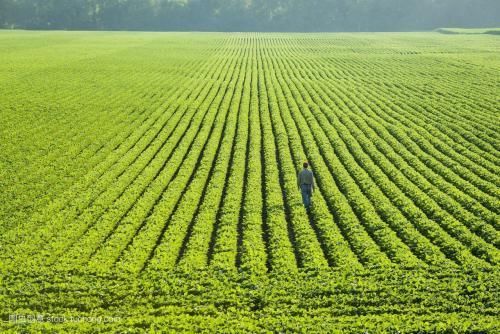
248	15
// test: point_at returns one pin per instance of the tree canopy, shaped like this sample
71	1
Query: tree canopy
248	15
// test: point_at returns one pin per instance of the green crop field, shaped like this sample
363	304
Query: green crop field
148	182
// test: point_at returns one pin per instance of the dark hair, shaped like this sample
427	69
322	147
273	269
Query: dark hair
305	165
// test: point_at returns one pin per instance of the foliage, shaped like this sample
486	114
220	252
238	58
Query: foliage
151	178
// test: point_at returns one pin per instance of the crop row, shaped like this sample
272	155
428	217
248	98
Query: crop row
202	173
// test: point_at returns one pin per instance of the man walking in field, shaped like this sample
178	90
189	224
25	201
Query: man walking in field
305	181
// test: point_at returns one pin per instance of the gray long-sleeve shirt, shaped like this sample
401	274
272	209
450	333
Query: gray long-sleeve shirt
305	177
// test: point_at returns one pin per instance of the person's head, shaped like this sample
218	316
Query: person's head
305	165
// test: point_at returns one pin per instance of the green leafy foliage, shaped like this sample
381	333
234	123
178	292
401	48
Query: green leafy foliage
149	182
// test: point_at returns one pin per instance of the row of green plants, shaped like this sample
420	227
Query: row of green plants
141	248
91	197
492	233
208	177
171	242
352	300
467	136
